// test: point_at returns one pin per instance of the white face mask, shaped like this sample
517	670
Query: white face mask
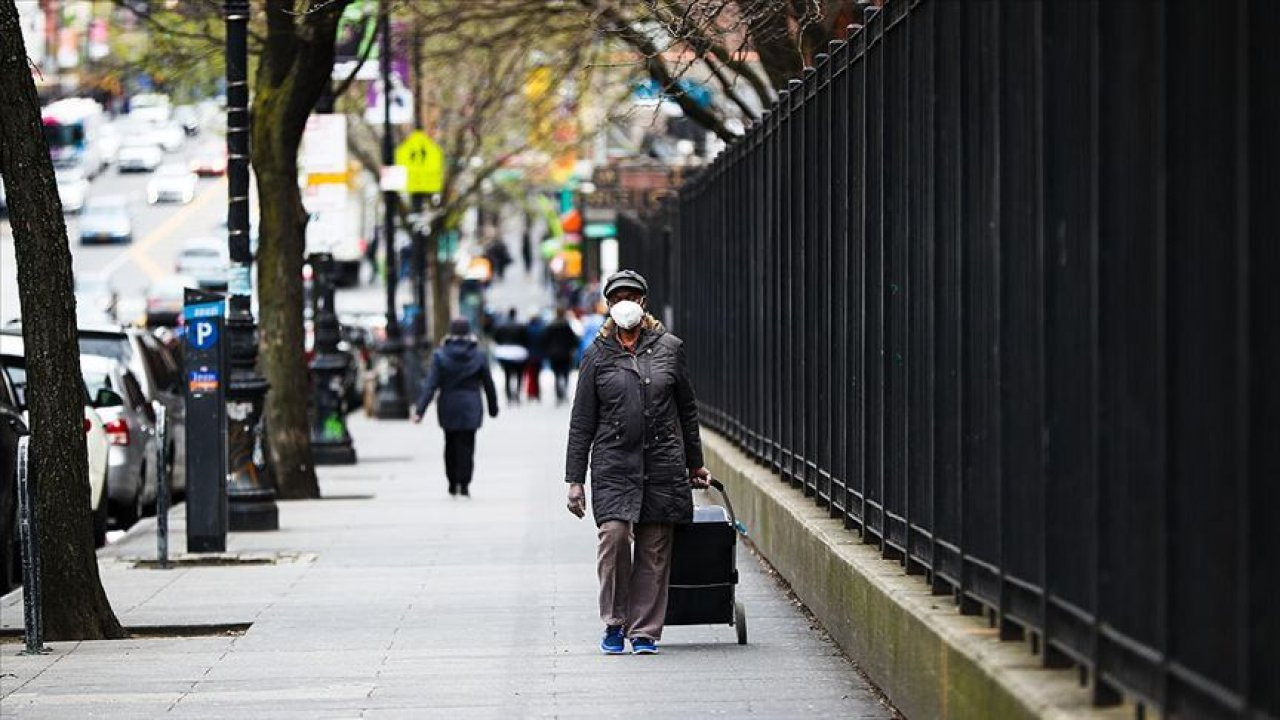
626	314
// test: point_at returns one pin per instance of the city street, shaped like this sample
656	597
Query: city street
973	305
158	233
389	598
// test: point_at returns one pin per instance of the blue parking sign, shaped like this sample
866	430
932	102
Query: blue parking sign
203	334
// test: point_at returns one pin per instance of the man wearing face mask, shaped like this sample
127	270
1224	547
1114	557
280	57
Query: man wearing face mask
636	419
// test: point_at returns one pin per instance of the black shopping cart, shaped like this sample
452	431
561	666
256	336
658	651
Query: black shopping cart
704	570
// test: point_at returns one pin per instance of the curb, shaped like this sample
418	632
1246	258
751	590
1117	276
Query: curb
927	658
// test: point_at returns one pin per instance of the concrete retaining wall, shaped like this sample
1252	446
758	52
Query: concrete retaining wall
929	659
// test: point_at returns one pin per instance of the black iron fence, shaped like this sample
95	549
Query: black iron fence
996	283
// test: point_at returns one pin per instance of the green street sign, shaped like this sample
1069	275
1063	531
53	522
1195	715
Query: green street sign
600	230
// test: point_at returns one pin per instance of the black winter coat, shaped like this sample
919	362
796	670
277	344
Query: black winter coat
459	371
636	417
560	343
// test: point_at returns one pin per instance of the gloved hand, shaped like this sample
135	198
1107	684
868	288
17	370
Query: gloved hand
577	499
700	477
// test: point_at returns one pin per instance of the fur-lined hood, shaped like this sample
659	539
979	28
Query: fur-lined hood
648	322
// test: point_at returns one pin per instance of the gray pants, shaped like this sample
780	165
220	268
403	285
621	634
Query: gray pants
633	591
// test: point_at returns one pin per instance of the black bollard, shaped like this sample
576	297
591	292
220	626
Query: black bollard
330	440
162	480
32	613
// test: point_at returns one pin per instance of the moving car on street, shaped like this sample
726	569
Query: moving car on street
96	299
129	422
173	182
138	153
210	161
106	219
13	364
73	188
164	300
207	260
188	118
168	135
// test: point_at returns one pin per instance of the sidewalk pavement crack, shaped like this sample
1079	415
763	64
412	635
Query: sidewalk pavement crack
43	670
175	577
203	675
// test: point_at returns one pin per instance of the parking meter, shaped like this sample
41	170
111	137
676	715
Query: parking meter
204	390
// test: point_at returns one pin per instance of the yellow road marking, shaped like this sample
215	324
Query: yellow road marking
138	252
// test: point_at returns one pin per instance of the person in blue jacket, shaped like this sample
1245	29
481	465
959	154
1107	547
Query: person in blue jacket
459	372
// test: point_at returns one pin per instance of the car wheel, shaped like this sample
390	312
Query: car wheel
100	518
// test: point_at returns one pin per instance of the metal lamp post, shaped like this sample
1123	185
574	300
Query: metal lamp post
330	439
390	400
251	501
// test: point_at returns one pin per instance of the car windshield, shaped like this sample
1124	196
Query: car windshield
111	347
104	210
95	381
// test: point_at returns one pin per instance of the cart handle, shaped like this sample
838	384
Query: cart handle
733	519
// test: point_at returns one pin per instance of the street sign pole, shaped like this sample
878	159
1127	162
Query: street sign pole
390	403
251	494
205	393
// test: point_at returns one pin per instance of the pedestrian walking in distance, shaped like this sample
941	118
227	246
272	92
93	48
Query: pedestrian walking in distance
537	332
635	419
560	343
459	372
511	348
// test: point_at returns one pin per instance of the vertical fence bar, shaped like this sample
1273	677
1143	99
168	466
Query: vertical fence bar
856	341
838	278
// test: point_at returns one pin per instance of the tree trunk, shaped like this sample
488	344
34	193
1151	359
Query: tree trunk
293	72
75	605
441	309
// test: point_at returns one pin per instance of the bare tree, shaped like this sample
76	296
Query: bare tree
294	69
75	605
476	65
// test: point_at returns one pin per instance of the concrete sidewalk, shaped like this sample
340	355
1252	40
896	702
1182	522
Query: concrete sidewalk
391	599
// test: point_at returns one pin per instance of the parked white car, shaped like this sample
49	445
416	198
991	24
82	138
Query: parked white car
13	364
173	182
73	188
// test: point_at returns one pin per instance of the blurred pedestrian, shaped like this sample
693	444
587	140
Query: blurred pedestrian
560	345
511	348
636	418
498	254
526	248
591	324
537	329
459	372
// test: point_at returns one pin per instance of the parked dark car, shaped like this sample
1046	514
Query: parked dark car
11	428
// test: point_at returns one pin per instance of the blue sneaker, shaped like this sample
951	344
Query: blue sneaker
613	642
643	646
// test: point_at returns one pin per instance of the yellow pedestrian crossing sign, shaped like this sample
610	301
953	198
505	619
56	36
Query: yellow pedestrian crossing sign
424	160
